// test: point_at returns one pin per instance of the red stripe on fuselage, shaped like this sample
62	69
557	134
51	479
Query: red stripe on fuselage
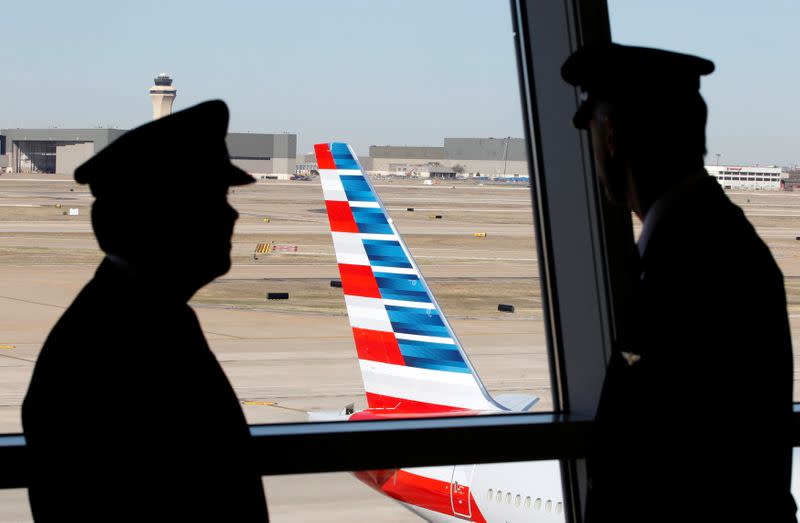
358	280
411	488
340	216
380	413
377	346
397	406
420	491
324	156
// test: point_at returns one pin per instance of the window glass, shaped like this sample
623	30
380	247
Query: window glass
386	496
448	164
744	137
14	505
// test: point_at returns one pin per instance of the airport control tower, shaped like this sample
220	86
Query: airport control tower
162	94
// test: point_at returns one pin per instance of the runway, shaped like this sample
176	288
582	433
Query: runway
305	360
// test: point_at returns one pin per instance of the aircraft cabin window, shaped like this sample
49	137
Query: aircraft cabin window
560	507
548	506
538	504
508	498
517	500
528	502
499	496
490	494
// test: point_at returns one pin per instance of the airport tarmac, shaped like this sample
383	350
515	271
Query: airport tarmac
268	350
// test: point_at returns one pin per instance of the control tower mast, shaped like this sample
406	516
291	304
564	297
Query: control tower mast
162	94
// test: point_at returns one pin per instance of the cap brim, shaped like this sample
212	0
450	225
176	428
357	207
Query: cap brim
239	177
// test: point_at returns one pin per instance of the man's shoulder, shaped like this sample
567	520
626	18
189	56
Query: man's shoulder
708	225
99	299
107	308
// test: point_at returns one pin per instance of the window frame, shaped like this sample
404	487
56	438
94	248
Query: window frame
577	235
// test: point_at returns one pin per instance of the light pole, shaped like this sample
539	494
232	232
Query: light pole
718	155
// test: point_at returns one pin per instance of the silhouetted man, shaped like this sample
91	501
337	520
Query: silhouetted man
129	415
694	422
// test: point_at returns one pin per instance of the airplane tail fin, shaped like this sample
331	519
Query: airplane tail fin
411	361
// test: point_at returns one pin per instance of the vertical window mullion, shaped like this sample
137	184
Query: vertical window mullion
570	213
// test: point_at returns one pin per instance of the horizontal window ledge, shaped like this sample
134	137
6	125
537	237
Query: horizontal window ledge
365	445
305	448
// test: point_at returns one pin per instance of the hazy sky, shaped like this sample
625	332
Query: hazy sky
372	72
754	108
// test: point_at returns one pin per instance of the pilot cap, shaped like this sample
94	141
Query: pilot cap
183	153
632	75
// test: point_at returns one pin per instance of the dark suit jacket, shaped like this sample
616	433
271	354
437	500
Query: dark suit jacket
130	417
703	419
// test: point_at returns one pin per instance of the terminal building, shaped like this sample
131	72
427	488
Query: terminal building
748	178
60	151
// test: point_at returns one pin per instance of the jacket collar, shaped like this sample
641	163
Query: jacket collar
670	203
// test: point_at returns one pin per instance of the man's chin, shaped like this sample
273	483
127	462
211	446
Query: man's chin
222	268
210	272
616	195
226	267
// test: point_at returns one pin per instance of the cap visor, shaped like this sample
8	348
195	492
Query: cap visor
239	177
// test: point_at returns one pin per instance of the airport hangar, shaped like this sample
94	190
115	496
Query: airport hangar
458	158
504	159
60	151
468	157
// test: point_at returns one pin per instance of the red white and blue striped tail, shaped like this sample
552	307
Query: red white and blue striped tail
411	362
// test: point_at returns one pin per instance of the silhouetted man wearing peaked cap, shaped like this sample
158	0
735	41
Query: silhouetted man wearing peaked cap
129	416
695	417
